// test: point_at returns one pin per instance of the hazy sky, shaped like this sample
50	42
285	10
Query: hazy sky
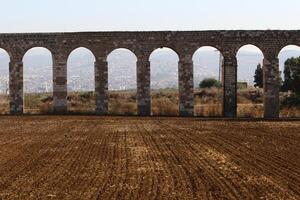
100	15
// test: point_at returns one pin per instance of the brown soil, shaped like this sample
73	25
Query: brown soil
77	157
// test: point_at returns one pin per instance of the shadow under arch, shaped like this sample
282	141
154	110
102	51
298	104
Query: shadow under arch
250	93
38	81
122	82
164	82
81	81
4	81
289	67
207	69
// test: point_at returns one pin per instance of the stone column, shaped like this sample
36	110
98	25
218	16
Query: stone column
16	85
271	86
186	86
143	86
60	103
230	86
101	86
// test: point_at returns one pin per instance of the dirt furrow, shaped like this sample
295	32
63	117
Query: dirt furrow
210	165
90	157
262	159
233	151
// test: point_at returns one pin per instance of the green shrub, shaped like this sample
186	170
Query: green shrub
291	101
242	85
209	83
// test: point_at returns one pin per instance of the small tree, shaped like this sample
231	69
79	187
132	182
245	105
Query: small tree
209	82
258	77
291	82
291	75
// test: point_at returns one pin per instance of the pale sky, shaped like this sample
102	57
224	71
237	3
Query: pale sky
124	15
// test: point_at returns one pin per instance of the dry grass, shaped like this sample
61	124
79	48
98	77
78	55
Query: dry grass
208	103
81	102
208	110
4	104
38	103
122	103
165	102
250	103
250	110
290	112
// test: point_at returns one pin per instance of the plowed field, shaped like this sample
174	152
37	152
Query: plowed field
87	157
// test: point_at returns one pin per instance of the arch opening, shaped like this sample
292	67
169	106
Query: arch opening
164	82
4	81
122	82
289	67
81	81
38	81
207	63
250	82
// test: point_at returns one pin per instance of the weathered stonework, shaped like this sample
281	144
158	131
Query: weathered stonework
101	86
16	87
143	87
184	43
271	87
230	86
59	85
186	86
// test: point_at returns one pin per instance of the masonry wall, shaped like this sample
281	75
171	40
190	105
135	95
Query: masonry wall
184	43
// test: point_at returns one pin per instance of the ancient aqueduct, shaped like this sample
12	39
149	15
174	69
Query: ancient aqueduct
142	44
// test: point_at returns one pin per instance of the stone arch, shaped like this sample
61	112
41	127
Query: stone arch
253	46
109	50
207	63
289	47
249	56
5	56
32	46
4	79
284	54
166	101
5	52
37	80
122	82
81	47
153	50
81	80
215	47
287	52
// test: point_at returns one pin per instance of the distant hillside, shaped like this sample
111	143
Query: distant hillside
122	70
